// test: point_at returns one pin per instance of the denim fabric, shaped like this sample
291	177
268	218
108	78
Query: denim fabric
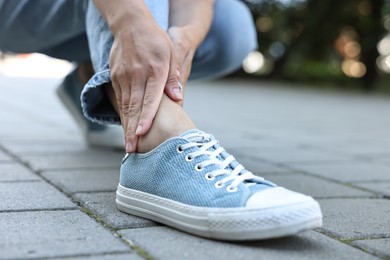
165	173
62	29
55	28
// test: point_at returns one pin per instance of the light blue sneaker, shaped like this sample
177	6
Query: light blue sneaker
109	136
191	183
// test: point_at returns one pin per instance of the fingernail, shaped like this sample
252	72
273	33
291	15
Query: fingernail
180	86
138	130
177	93
129	147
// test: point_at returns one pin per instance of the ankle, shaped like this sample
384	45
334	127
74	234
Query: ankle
171	120
85	71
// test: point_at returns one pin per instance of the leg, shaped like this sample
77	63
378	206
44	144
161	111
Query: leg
228	42
38	26
211	60
223	50
96	105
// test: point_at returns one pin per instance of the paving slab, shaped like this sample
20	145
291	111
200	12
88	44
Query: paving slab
16	172
31	196
348	171
379	247
364	148
356	218
77	160
84	180
166	243
261	168
4	157
277	131
244	140
46	131
317	187
378	187
385	161
132	256
44	234
103	205
294	155
45	147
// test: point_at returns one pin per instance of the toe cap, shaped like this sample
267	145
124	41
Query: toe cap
276	197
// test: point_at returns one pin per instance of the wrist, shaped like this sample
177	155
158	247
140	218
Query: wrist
191	36
123	13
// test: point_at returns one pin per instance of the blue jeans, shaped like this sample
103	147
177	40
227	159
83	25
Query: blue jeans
74	30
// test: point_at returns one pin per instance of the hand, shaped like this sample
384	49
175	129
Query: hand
142	65
184	53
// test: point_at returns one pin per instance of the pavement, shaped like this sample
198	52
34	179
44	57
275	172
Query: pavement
57	195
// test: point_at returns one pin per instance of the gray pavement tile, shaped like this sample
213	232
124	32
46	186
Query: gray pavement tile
30	196
247	140
45	147
84	180
348	171
4	157
361	147
16	172
166	243
48	131
42	234
378	187
76	160
317	187
132	256
294	155
261	168
103	205
356	218
379	247
385	161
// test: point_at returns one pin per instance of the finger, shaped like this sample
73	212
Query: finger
151	102
122	95
132	106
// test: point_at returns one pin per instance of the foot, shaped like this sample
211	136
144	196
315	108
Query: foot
94	134
191	183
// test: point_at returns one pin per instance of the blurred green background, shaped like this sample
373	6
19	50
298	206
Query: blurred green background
343	43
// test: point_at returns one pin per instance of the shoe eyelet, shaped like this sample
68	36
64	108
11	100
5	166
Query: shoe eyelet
218	184
208	177
231	189
198	167
189	158
179	149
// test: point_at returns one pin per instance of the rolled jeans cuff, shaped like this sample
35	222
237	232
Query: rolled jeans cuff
95	102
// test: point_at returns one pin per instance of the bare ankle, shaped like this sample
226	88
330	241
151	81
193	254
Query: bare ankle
171	120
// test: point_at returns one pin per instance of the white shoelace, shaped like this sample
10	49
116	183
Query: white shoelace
236	175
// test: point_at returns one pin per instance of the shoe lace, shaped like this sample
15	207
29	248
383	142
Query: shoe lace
234	173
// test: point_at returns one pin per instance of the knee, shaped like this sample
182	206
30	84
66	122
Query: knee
235	34
231	37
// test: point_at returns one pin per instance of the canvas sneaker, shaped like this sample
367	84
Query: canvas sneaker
109	136
191	183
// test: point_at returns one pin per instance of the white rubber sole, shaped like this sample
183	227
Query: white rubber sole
111	137
222	223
